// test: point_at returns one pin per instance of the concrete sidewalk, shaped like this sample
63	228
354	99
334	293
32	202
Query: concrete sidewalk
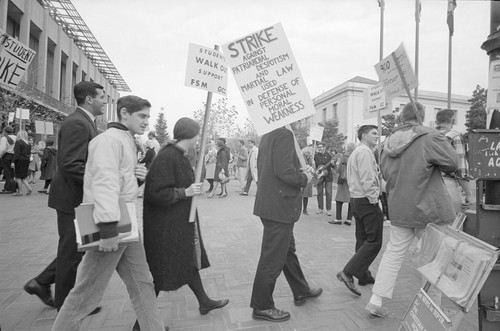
232	237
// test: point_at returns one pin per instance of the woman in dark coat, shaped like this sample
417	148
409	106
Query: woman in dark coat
22	153
174	247
49	164
221	168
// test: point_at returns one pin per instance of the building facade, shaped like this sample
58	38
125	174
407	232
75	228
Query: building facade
346	103
66	53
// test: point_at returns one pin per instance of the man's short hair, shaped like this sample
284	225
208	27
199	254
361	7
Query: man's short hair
445	116
132	104
84	89
242	142
222	139
49	142
151	134
365	129
251	141
321	144
408	114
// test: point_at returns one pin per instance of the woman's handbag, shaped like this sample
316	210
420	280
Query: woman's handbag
223	178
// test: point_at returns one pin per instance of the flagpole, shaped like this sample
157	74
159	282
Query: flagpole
449	71
381	56
417	29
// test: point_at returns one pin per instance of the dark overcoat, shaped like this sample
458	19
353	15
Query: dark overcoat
66	189
279	195
168	235
49	164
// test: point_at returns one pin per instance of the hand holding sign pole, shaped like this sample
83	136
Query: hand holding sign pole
207	70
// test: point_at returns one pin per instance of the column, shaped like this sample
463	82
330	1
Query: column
3	14
56	82
42	54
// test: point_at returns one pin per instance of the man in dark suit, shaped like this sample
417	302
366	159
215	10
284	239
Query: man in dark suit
278	204
66	193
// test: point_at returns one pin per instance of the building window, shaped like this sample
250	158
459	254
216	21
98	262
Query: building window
323	115
13	28
335	115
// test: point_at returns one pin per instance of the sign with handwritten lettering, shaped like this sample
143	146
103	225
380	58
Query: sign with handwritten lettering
206	69
390	77
424	315
269	79
15	57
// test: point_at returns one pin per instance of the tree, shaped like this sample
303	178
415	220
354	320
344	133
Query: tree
221	122
161	128
301	131
333	139
247	132
476	115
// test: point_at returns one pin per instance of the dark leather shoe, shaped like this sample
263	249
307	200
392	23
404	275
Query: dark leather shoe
41	291
349	283
271	315
136	327
367	281
215	305
313	293
97	310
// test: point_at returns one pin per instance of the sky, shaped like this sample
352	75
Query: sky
332	41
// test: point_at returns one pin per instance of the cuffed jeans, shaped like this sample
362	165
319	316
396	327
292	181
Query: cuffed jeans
327	186
369	231
93	276
388	270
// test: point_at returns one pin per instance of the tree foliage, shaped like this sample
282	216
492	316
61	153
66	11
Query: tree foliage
221	122
476	115
390	121
301	131
161	129
247	132
333	139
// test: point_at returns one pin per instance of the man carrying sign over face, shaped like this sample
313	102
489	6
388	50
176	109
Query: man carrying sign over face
278	204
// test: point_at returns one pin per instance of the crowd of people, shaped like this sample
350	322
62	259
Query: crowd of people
106	168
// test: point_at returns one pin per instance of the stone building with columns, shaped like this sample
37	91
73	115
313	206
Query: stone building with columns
66	53
345	103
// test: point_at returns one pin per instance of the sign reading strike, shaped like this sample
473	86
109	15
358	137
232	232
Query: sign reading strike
206	69
15	58
269	79
389	75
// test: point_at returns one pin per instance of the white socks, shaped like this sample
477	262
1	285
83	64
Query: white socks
376	300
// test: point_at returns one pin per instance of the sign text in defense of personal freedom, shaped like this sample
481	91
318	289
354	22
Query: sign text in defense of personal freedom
389	75
269	79
15	57
206	69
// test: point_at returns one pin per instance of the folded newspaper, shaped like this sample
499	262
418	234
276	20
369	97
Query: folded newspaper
88	234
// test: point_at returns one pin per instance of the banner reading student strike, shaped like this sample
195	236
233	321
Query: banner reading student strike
269	79
206	69
15	58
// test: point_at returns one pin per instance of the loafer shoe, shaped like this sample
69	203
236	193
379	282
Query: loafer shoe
347	222
348	282
313	293
367	281
335	222
305	212
215	305
376	310
96	310
41	291
271	315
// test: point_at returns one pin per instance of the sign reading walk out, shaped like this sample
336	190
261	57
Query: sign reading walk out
269	79
206	69
15	57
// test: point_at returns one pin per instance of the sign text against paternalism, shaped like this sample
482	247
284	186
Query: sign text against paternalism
269	79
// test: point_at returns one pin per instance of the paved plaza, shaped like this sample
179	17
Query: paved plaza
232	237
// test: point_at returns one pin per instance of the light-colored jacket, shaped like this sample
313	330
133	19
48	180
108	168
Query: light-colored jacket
412	161
5	147
110	174
252	163
363	174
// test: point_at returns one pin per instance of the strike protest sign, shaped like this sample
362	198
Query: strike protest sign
396	77
269	79
206	69
15	57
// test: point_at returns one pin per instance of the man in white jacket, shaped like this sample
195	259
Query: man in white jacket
112	173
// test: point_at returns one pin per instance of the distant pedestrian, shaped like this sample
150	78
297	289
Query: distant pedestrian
153	142
7	142
412	160
49	164
364	189
34	160
21	160
307	191
221	175
278	204
251	168
210	160
322	160
241	162
343	196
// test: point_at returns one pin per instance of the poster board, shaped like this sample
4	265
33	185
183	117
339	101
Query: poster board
424	315
374	101
206	69
316	133
22	113
389	76
484	154
15	57
42	127
269	79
